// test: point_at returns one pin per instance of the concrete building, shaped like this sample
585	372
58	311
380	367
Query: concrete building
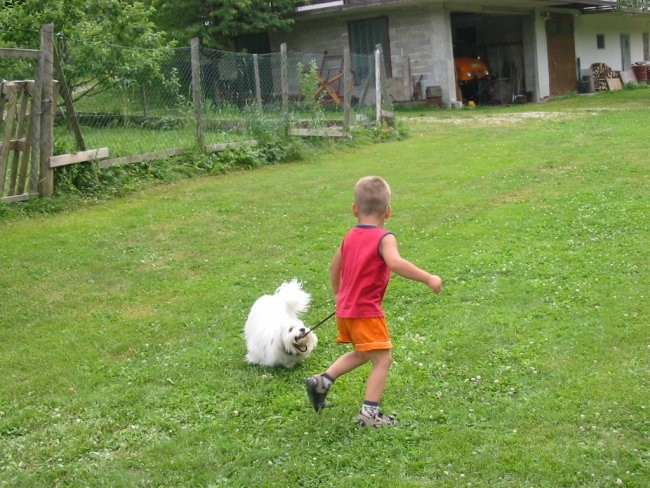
533	48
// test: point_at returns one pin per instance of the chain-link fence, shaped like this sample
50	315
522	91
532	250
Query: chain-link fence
136	101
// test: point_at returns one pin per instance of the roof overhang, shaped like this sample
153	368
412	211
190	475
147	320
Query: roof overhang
329	7
590	6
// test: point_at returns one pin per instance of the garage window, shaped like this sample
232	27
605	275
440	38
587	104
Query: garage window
600	41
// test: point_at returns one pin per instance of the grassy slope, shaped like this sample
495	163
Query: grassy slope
120	326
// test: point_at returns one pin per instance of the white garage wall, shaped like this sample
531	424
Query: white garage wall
587	27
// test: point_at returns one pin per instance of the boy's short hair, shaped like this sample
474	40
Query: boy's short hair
372	195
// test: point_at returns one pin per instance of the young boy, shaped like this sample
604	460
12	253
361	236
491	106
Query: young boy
359	272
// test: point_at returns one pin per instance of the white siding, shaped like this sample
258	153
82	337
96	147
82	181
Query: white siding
611	26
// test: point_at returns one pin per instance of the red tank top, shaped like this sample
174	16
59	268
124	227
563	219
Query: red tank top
364	276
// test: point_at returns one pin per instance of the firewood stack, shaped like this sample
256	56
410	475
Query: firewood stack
600	72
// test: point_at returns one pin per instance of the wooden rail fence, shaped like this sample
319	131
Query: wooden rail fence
27	112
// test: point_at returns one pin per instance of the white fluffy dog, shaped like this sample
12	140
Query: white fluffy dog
275	336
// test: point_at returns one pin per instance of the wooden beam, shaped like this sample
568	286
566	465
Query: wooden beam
78	157
14	144
13	52
19	198
324	132
139	158
71	115
222	146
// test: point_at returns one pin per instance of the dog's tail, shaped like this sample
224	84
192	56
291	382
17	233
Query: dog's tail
294	296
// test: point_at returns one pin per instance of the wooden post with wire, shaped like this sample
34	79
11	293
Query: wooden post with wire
196	91
46	112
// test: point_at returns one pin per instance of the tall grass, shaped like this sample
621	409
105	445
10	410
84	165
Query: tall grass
121	345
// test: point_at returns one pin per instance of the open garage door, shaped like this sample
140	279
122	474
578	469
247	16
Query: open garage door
498	42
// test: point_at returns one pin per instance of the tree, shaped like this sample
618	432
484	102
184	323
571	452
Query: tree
91	36
635	5
216	22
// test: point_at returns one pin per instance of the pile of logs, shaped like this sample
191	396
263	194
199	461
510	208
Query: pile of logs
600	73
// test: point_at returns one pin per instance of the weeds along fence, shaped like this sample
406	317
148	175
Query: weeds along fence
120	105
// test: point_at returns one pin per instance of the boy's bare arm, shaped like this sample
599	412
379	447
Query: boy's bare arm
405	268
335	271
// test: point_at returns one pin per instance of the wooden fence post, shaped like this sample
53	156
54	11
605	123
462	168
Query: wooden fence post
45	70
378	83
258	88
347	88
196	91
284	82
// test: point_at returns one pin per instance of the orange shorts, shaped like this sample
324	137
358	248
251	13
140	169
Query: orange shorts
365	334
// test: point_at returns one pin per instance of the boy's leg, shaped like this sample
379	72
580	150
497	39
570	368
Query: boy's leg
347	363
370	415
318	385
381	360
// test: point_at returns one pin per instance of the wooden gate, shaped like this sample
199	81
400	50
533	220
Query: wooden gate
26	125
18	177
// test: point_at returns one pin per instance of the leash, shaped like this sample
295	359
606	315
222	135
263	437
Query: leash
319	323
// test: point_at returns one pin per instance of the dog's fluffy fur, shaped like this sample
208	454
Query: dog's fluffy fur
275	335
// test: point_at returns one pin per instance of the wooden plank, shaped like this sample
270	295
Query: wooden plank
2	101
19	198
13	52
222	146
25	165
78	157
20	131
324	132
15	144
35	132
10	90
614	84
139	158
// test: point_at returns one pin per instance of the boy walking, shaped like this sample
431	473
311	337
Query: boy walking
360	272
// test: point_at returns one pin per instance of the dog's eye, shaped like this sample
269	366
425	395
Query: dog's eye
290	329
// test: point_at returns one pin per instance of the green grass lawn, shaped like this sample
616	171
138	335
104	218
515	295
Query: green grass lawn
121	345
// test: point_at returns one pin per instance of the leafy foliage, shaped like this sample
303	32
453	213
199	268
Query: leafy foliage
216	22
89	34
638	5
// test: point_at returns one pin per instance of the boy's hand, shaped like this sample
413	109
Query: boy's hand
435	283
